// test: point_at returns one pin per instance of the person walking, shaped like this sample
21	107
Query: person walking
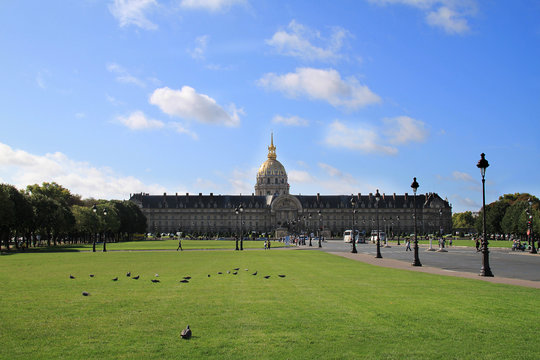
408	243
477	244
179	244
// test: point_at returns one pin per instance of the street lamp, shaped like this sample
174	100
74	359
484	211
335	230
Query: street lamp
485	270
399	230
377	199
94	209
530	230
320	227
238	211
105	213
353	206
416	261
309	229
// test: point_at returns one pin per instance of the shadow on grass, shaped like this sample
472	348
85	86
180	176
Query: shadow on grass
44	249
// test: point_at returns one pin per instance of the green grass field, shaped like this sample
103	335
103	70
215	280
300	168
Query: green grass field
326	307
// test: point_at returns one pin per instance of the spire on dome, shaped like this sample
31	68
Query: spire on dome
272	149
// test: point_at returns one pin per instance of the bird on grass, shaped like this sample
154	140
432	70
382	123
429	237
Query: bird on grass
236	269
136	277
186	333
187	277
91	275
115	279
219	273
228	272
156	275
255	273
71	276
281	275
154	280
267	277
184	281
128	274
234	273
85	293
246	269
208	275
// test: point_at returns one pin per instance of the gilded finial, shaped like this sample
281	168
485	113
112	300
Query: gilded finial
272	149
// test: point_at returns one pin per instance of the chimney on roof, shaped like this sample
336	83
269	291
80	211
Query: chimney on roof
406	197
359	196
211	194
200	194
383	196
164	194
394	197
318	197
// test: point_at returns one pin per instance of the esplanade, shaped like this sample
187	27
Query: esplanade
272	209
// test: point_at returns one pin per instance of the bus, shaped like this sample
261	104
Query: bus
347	236
382	236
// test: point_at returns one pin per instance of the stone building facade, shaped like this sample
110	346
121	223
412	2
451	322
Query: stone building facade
271	209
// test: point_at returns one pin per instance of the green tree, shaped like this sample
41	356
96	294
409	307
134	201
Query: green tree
464	220
7	215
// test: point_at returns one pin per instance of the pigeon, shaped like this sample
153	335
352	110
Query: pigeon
154	280
186	333
255	273
136	277
234	273
219	273
246	269
91	275
187	277
267	276
208	275
85	293
236	269
156	275
71	276
228	272
281	275
184	281
128	274
115	279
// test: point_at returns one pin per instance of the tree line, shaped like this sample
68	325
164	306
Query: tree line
512	214
51	214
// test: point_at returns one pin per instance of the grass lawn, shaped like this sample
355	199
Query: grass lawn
326	307
167	244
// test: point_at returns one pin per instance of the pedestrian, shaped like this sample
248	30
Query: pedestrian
268	244
477	245
179	244
265	245
408	243
450	242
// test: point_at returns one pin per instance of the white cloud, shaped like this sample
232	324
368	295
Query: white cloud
138	121
330	170
450	15
240	182
181	129
360	138
461	176
133	12
321	84
200	47
211	5
290	121
467	203
21	168
450	20
190	105
124	76
299	176
296	42
403	129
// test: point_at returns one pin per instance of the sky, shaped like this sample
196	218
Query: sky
114	97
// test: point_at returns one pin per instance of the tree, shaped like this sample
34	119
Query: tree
464	220
7	215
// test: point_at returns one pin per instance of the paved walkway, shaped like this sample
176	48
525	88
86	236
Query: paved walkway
397	264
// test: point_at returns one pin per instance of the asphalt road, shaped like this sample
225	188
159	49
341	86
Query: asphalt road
503	262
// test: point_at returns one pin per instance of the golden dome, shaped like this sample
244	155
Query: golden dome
271	166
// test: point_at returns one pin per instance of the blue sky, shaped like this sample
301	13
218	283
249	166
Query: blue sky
109	98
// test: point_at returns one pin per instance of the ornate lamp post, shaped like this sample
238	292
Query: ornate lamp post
320	227
309	229
94	209
105	213
530	224
416	261
353	235
399	230
239	210
377	199
485	270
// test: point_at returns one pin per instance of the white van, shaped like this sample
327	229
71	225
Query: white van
382	236
347	236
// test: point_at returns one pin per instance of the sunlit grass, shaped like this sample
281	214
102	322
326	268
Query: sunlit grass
325	307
